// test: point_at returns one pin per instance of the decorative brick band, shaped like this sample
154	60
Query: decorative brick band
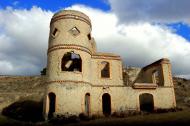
70	16
82	48
64	81
69	46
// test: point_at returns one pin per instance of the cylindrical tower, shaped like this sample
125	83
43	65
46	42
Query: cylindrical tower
69	55
70	46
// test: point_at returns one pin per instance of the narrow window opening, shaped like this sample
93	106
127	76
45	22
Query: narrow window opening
55	32
87	104
105	69
89	37
71	62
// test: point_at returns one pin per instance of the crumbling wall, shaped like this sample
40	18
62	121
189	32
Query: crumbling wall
130	74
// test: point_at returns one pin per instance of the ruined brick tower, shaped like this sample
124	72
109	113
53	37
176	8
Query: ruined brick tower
81	80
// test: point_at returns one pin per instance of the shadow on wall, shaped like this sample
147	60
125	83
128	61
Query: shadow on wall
27	110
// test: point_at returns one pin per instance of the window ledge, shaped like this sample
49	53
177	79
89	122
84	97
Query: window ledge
145	86
106	78
76	72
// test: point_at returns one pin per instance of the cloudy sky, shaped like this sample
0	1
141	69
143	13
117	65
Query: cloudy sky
141	31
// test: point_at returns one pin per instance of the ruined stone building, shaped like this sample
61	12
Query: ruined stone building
82	80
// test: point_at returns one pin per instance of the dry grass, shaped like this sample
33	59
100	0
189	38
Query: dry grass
169	119
172	118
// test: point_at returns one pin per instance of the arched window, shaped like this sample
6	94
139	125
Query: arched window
155	77
146	102
52	102
105	69
71	62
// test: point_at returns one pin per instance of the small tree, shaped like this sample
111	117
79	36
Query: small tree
43	72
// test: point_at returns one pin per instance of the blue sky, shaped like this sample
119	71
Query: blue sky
180	28
55	5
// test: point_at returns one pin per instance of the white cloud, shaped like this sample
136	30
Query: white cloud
25	40
5	67
138	44
165	11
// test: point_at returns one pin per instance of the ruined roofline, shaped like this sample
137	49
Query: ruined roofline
158	62
106	56
71	14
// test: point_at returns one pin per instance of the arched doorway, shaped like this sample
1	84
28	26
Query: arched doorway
87	104
146	102
106	104
52	98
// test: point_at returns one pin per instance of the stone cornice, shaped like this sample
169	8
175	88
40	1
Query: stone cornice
144	86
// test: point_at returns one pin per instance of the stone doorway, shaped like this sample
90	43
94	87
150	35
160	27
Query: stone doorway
146	102
106	104
52	98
